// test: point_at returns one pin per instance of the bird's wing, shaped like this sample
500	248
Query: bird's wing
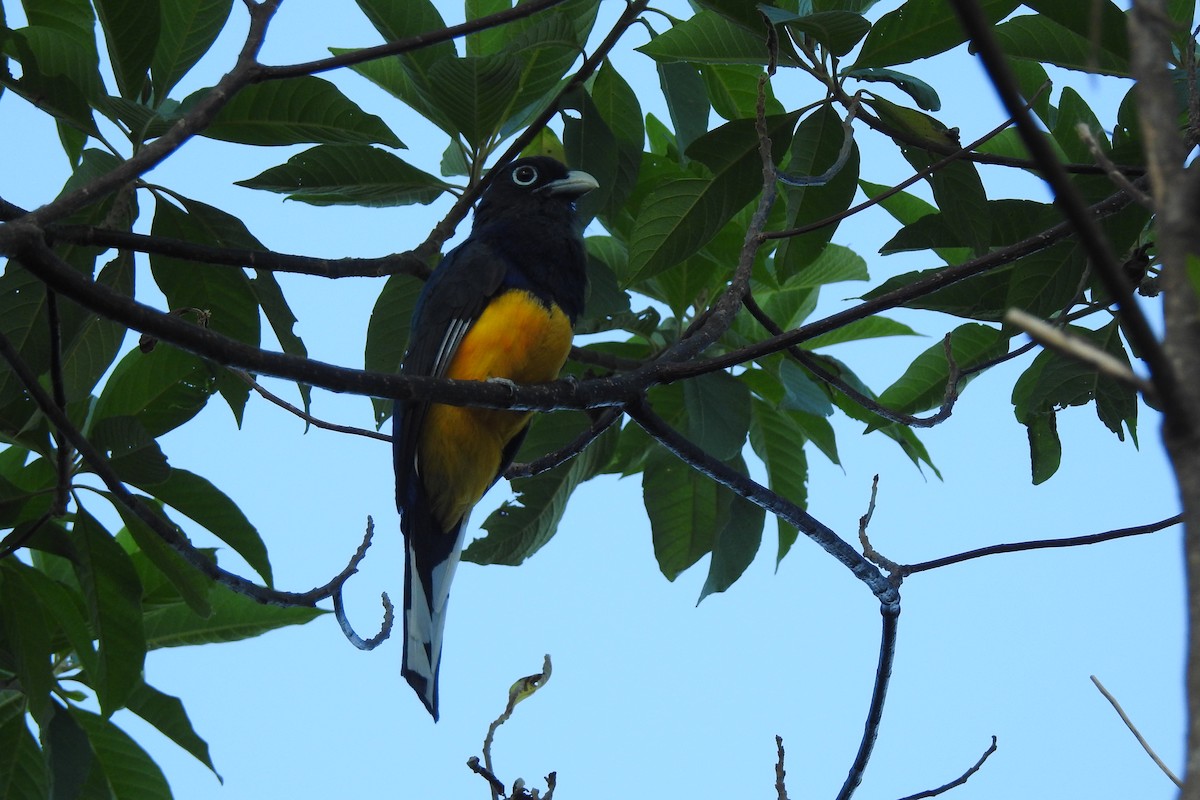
452	300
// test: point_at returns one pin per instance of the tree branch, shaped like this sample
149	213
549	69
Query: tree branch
959	781
883	676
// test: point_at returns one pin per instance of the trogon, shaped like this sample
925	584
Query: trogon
500	306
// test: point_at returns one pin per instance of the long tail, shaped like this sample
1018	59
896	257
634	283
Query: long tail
428	571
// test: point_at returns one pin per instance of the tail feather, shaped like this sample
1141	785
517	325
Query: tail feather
428	576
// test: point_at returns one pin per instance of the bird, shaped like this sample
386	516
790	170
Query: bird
501	306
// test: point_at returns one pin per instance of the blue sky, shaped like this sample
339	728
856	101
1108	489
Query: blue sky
652	695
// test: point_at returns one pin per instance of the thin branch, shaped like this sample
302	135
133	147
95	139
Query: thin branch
868	549
1067	198
1110	169
1041	544
1077	348
339	610
959	781
100	465
883	676
599	425
495	783
304	415
405	45
813	365
63	455
1137	734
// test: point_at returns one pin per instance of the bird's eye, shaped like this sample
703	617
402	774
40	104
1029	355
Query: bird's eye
524	175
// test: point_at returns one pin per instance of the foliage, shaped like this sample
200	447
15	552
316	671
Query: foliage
84	600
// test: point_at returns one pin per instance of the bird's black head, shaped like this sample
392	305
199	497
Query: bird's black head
537	183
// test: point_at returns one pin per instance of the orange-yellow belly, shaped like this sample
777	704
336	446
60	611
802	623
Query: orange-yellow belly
516	337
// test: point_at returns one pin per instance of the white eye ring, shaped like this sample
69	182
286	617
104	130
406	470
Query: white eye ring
524	175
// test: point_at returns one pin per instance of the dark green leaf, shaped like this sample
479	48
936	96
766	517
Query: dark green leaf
269	295
87	355
189	28
736	542
166	713
1045	448
26	638
733	90
69	756
131	31
163	389
519	528
1100	22
687	102
814	149
802	393
349	174
920	29
707	38
923	384
189	582
960	194
387	332
235	617
683	508
717	413
114	597
925	95
294	111
779	442
127	769
1040	38
873	327
22	769
59	72
838	31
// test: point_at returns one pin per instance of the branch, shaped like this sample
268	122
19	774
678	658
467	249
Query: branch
304	415
405	45
568	451
960	780
1137	734
883	675
104	470
1041	544
1069	202
780	773
389	612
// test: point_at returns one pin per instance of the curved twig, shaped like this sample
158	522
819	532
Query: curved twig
959	781
339	610
883	676
568	451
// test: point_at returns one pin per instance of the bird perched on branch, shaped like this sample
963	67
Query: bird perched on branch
500	306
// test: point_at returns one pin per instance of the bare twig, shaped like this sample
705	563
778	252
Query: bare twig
568	451
1137	734
523	688
389	612
1115	175
959	781
495	783
62	450
780	773
1041	544
883	676
1078	348
868	550
304	415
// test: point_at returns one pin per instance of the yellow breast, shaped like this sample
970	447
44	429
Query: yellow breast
517	338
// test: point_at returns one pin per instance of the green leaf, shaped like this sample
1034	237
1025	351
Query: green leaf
683	508
162	389
519	528
737	540
66	606
920	29
717	412
1100	22
387	332
1039	38
269	295
835	264
925	95
873	327
193	496
1045	448
60	72
617	105
779	442
348	174
25	323
166	713
189	582
294	111
131	31
733	90
69	756
802	393
681	215
90	351
235	617
22	769
126	768
923	384
838	30
707	38
475	94
114	596
590	145
814	149
687	102
26	638
402	78
188	30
